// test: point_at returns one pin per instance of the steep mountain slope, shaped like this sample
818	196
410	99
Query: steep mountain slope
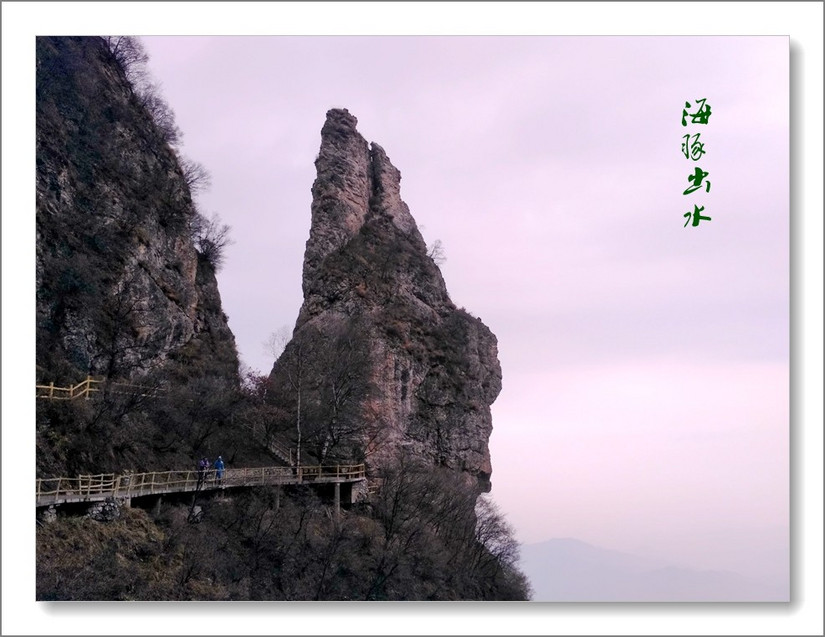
122	292
121	288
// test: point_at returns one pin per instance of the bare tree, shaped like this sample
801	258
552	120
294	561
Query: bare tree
126	338
259	413
342	383
436	252
211	238
149	95
495	534
290	366
131	56
129	53
195	175
276	342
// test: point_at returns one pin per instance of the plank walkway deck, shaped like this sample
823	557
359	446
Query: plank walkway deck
94	488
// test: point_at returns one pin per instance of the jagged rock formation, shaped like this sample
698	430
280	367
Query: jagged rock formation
122	292
383	364
121	289
383	367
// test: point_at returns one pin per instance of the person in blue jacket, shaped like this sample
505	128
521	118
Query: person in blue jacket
203	465
219	469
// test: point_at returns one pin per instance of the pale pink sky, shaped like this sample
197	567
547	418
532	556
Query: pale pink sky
645	400
642	355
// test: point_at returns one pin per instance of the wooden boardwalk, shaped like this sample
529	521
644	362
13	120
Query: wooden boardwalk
94	488
90	386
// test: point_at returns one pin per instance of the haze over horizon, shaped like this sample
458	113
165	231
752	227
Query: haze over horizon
646	364
568	570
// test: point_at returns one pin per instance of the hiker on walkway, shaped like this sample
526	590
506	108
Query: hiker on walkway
203	463
219	470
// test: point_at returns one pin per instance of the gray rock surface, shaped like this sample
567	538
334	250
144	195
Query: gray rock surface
121	287
428	371
105	511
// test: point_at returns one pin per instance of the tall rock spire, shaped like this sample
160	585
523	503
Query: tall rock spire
390	369
355	182
341	193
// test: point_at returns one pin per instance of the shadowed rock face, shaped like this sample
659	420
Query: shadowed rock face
427	371
121	289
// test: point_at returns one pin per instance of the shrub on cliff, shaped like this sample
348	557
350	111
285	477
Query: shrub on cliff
211	238
418	539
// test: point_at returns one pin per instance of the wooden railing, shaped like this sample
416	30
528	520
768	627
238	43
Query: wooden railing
287	454
99	487
284	453
90	386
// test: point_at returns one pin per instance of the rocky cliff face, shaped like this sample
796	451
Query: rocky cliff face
383	364
121	289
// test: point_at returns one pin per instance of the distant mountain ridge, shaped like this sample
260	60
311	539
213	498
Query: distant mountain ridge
569	570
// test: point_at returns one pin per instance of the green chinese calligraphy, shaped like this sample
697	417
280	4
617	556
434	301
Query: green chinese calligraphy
702	114
696	216
697	177
692	148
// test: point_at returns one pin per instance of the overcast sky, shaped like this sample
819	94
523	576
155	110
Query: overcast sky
645	364
646	373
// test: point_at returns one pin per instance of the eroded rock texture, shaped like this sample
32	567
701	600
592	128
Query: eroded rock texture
384	365
121	289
